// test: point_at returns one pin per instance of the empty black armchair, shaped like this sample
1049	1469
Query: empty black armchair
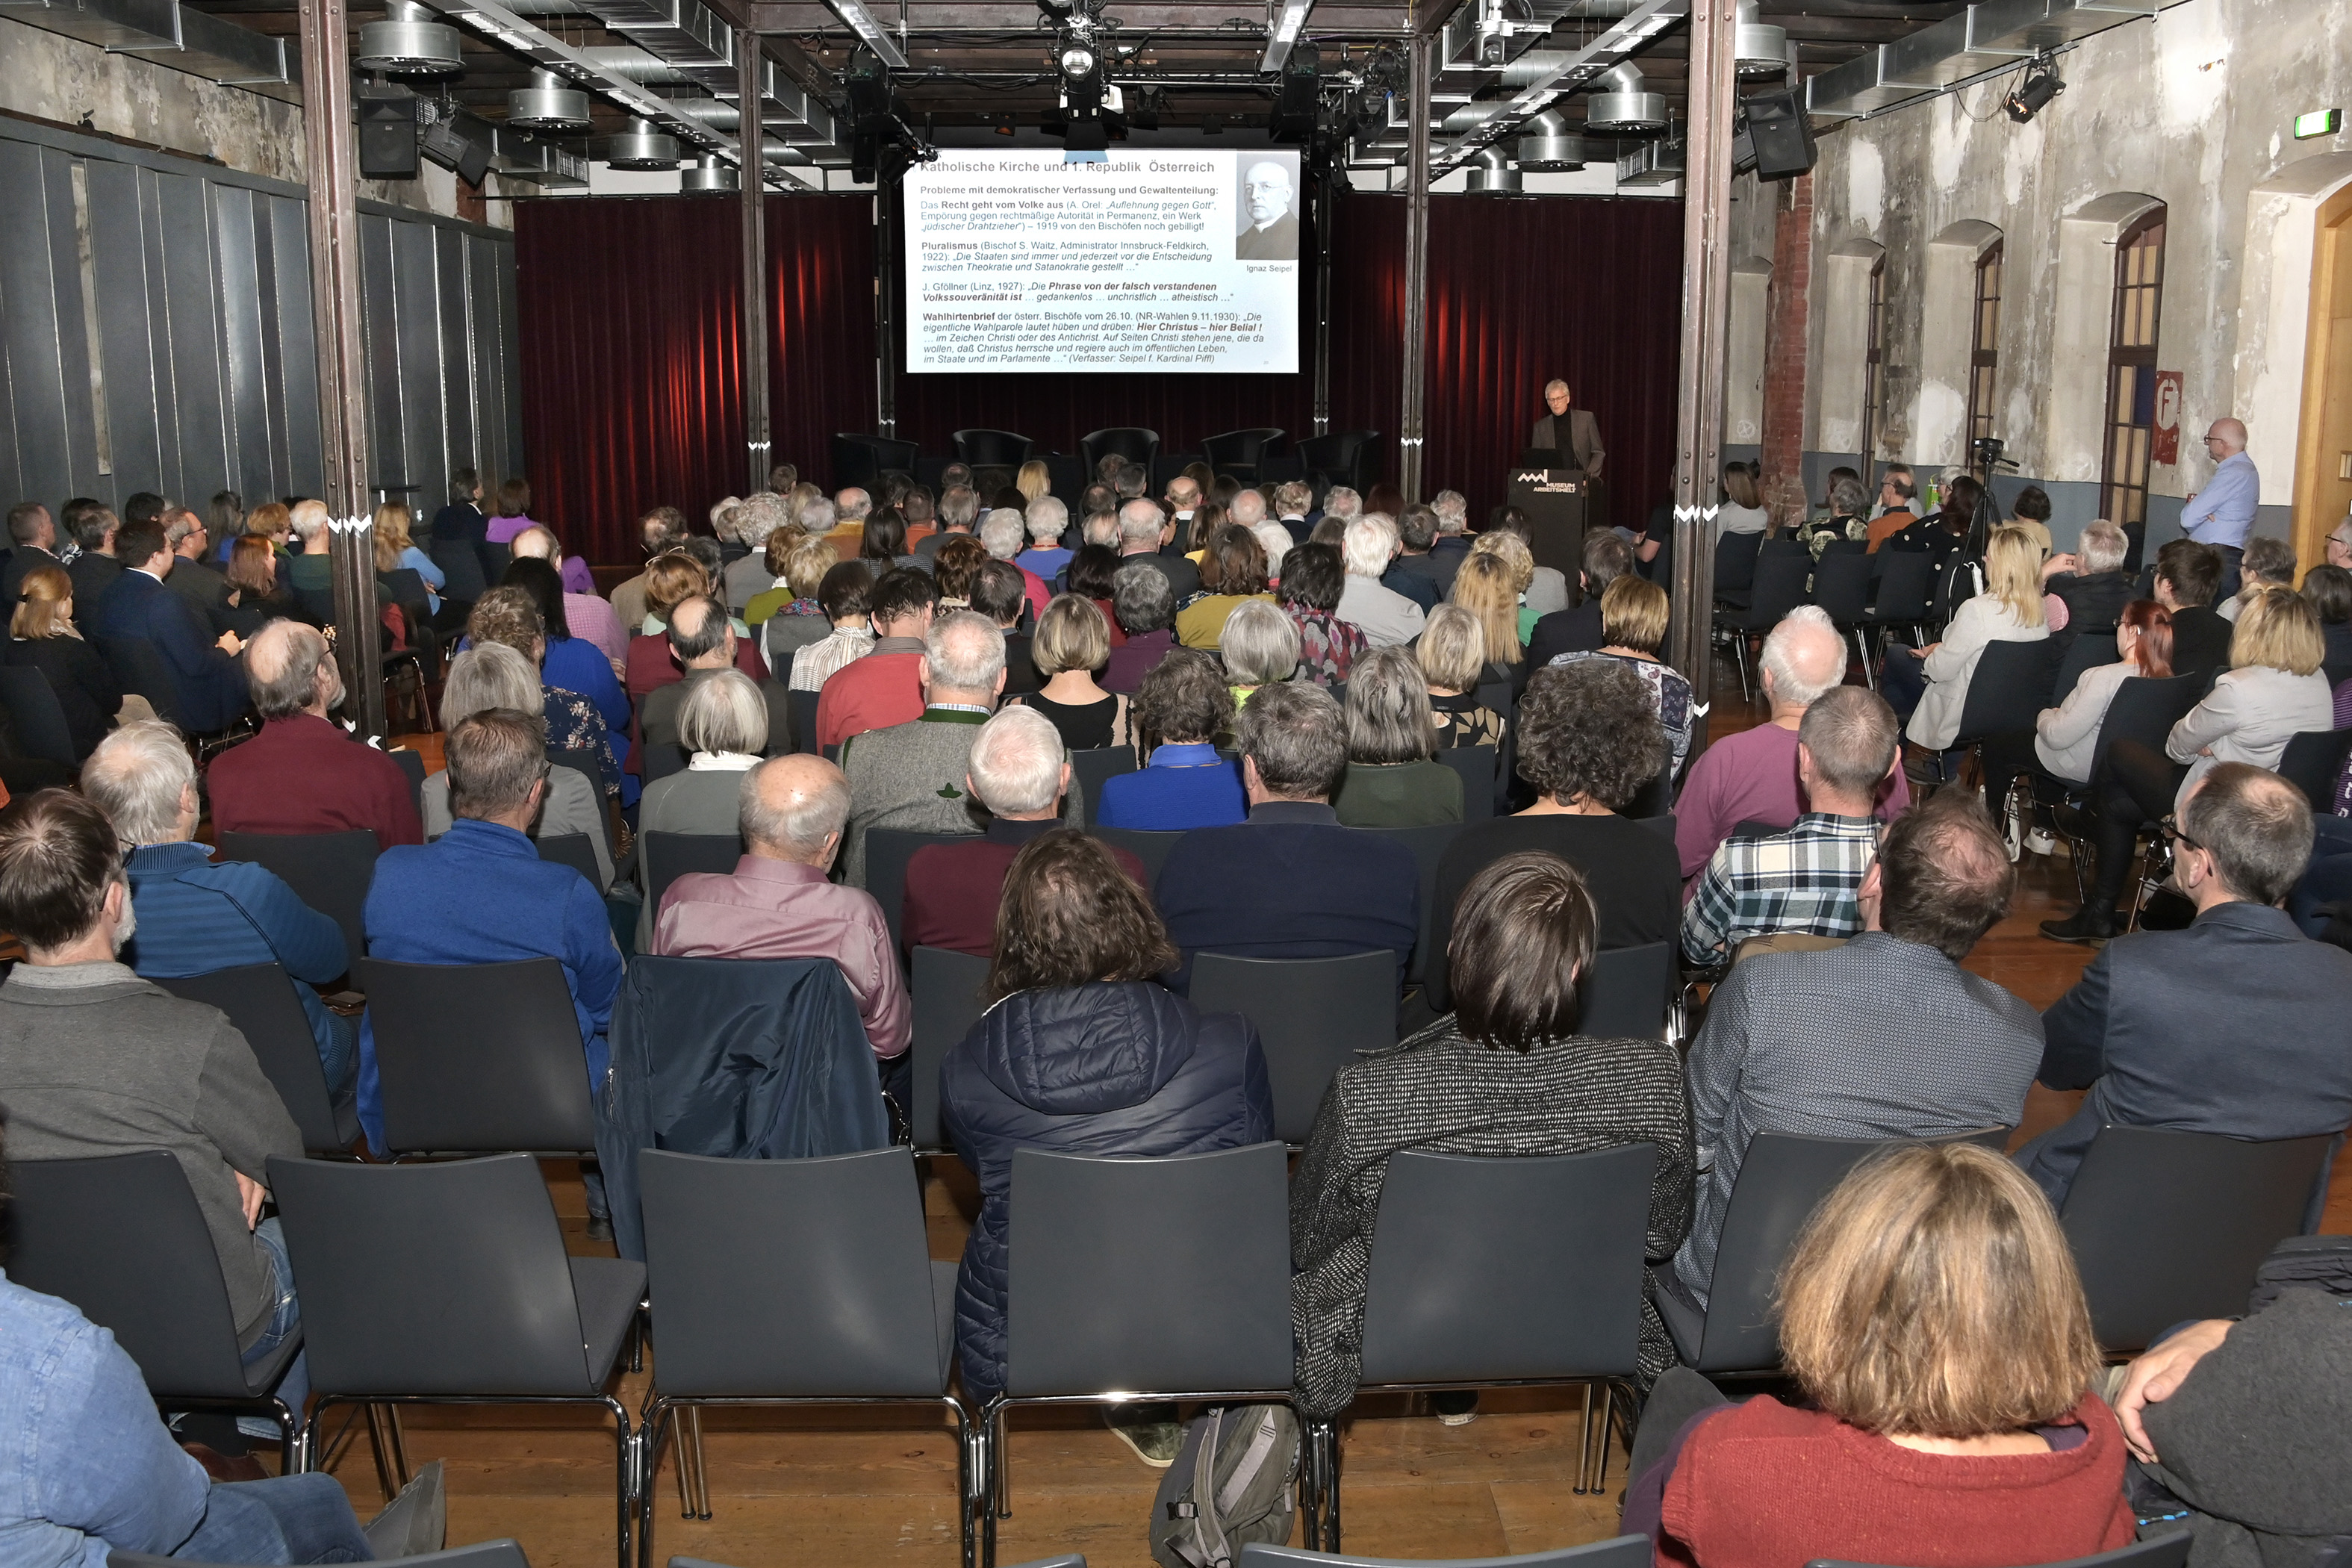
862	460
1132	442
1239	452
992	448
1350	458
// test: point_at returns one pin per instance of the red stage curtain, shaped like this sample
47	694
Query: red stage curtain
821	326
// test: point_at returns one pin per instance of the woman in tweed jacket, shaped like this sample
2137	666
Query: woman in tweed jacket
1505	1075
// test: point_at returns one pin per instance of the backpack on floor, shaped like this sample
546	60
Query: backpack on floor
1231	1484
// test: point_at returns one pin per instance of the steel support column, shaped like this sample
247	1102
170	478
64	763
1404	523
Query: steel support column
750	136
885	305
1410	421
1706	296
329	165
1325	193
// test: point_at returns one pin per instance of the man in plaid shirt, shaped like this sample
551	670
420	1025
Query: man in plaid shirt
1802	880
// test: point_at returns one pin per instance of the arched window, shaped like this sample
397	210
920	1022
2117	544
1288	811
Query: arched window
2131	368
1984	354
1874	349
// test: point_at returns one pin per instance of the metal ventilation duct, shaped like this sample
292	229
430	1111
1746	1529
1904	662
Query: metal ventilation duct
1759	49
408	41
1626	107
1654	163
642	147
1491	173
707	174
548	104
171	35
684	34
1549	147
1985	36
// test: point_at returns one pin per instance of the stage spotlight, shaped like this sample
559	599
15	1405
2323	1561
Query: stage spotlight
2034	95
1295	97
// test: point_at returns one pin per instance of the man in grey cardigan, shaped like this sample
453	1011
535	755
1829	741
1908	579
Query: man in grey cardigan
94	1060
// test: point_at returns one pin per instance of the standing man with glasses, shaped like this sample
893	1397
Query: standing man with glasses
2222	513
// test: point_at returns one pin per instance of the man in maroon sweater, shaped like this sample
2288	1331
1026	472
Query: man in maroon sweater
1018	771
302	774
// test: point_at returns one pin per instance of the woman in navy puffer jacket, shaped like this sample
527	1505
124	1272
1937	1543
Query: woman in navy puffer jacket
1082	1052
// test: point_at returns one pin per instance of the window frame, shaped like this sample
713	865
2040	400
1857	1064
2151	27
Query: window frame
1984	345
2135	324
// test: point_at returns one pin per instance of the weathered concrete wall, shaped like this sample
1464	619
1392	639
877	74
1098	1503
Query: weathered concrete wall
2192	109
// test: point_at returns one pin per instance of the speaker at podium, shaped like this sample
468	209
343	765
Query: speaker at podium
1561	504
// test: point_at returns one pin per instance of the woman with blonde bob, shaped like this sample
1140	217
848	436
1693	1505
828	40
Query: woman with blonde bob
1931	1316
1452	654
2271	691
1930	684
1633	616
1071	648
1488	588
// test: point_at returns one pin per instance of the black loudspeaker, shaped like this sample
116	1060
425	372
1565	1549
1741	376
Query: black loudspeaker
1779	135
388	138
1294	102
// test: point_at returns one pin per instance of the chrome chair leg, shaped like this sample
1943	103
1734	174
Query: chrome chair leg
1584	1443
701	1465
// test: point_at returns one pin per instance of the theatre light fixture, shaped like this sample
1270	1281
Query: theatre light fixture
1286	28
2031	96
869	32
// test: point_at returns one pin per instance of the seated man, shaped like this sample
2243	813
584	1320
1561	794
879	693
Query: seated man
1752	776
590	617
996	593
703	640
195	916
1387	617
1884	1038
1289	882
2138	1030
1803	881
303	773
2187	575
480	894
208	686
1018	771
914	775
100	1061
1577	629
778	903
880	689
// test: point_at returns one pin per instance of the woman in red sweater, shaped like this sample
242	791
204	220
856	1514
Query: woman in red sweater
1932	1317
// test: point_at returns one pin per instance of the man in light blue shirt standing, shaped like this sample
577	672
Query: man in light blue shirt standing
2222	513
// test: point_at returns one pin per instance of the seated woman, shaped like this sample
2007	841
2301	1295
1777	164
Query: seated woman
1312	577
1232	572
1094	574
396	551
510	616
2056	754
846	597
670	580
1929	687
1634	613
572	663
1935	1325
1488	588
1742	510
1505	1073
794	616
1452	654
2266	562
1390	779
1589	741
1081	1050
723	726
1180	709
1261	647
2329	589
1848	517
41	636
257	596
1542	589
1072	643
953	564
493	675
884	544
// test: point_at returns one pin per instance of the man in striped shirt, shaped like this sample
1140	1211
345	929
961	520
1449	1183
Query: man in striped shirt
1803	880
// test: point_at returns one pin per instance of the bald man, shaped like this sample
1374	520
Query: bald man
702	640
1271	233
304	772
779	904
2222	513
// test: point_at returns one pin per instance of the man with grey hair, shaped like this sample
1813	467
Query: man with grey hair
2139	1029
94	570
1146	610
1143	529
1289	882
1386	617
1020	771
1099	528
2091	581
702	640
304	773
777	903
1248	508
1417	573
192	577
1752	776
193	917
1343	503
759	515
1453	546
1000	535
852	505
959	513
1804	881
32	543
589	618
1046	518
912	775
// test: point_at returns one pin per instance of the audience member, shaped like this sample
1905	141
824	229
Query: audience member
1606	559
511	514
2187	575
255	596
480	894
952	569
958	511
1742	508
882	545
2096	588
1633	616
1488	589
1414	572
192	577
491	674
703	642
1803	880
1145	610
585	615
208	687
1314	578
2056	754
192	917
95	568
1544	588
1232	574
1935	1326
1143	529
881	688
2138	1028
1093	575
1929	687
1045	516
1390	779
42	636
1752	776
1260	646
1289	881
569	662
1276	541
847	595
1507	1075
852	506
2329	589
999	593
914	775
791	615
760	519
1884	1038
509	617
1001	533
1897	491
2266	562
1386	617
32	543
1072	641
1183	706
1452	654
304	773
396	550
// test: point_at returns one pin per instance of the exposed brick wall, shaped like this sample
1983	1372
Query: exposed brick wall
1784	355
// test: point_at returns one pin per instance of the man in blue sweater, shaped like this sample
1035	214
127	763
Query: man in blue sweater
480	894
1289	882
192	917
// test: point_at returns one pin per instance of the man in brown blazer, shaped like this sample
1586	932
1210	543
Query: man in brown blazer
1570	432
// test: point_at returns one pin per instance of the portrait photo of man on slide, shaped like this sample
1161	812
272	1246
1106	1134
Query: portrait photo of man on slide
1269	227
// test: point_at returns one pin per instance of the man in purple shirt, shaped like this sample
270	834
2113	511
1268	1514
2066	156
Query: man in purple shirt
778	903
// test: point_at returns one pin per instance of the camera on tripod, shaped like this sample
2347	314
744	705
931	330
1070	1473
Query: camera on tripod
1988	449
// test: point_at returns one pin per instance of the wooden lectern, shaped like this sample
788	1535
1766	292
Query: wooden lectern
1559	503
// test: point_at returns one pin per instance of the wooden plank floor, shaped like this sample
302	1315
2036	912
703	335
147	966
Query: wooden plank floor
863	1489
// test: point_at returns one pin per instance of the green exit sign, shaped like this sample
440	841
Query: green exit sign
2318	122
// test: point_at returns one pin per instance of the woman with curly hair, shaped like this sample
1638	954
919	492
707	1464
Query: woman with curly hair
953	564
1589	740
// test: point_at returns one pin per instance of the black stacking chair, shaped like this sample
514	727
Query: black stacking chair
34	714
327	871
1428	845
803	705
1779	587
1132	442
382	1251
1782	1178
666	857
2313	760
1314	1015
2168	1226
2145	710
945	997
259	1000
2086	652
1239	452
790	1283
1151	847
661	759
2163	1552
1905	600
992	448
1477	766
505	1554
1501	1272
888	851
120	1237
574	850
1628	993
479	1056
1093	768
1842	588
1624	1551
1089	1316
1735	566
2007	691
411	768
